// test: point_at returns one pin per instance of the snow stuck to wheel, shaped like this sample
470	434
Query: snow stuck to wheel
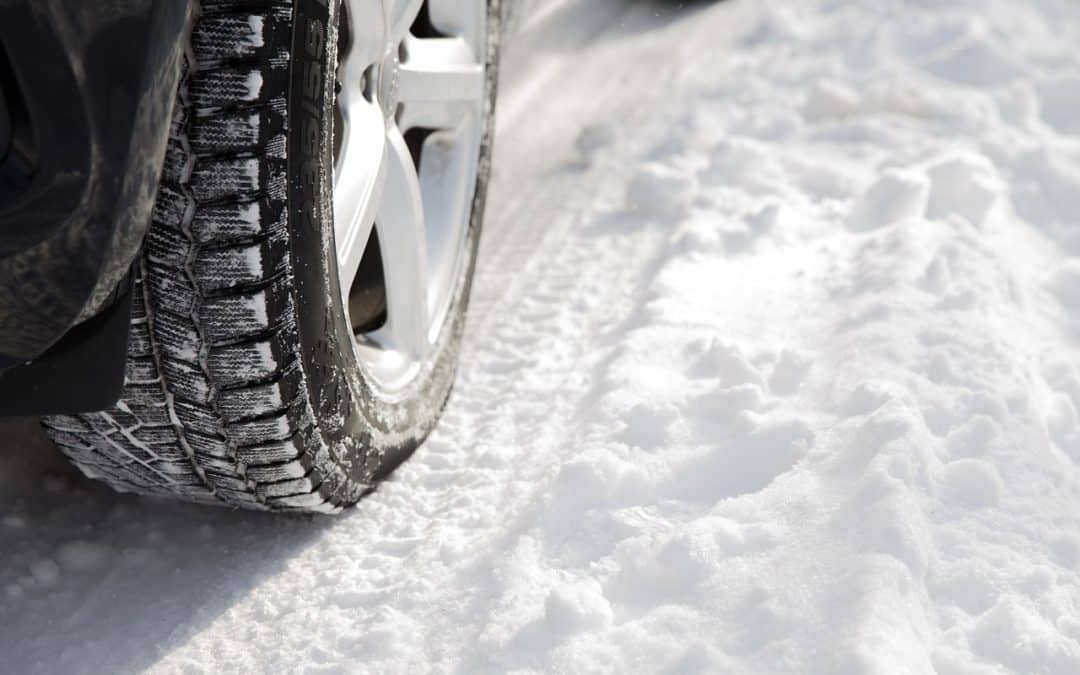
772	366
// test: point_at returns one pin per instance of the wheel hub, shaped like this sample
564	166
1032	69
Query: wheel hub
388	87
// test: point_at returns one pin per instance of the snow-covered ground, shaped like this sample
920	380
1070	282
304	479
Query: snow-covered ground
773	366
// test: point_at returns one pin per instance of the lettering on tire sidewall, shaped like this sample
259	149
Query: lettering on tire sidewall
311	233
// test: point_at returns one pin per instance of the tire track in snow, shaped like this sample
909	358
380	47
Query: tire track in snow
553	282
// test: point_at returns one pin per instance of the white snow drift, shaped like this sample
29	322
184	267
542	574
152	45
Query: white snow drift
773	366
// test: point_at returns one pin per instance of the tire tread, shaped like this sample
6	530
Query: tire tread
215	407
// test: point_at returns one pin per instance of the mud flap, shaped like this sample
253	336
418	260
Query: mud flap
82	372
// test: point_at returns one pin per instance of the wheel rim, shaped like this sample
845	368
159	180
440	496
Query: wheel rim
409	124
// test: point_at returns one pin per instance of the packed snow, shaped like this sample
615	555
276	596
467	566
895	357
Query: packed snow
773	367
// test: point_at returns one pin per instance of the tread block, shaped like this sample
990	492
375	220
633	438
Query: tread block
252	131
312	501
169	291
231	318
226	86
186	381
218	464
170	208
240	498
71	423
225	177
240	85
148	414
141	369
177	341
166	247
231	36
238	221
271	453
178	162
217	268
162	440
224	268
197	418
172	168
213	446
274	473
71	441
139	338
240	365
276	186
227	481
279	427
262	399
291	487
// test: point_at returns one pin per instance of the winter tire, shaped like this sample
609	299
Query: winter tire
300	297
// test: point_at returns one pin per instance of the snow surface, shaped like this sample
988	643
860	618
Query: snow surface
771	368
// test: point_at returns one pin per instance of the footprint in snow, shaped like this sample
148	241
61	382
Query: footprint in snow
726	362
1059	99
1045	189
974	61
896	195
975	438
744	164
1018	637
891	424
1064	284
830	100
755	451
591	144
973	482
790	371
1063	412
649	425
751	228
659	193
1063	425
866	398
966	186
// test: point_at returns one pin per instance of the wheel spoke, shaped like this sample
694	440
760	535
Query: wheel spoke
402	15
440	69
358	183
403	242
459	17
439	82
367	24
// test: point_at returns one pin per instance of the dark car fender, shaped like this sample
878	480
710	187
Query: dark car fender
87	95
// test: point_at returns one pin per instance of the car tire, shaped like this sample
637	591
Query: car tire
245	384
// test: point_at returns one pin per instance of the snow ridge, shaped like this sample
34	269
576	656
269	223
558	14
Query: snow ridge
771	369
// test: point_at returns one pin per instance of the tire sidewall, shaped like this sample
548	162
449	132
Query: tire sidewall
365	430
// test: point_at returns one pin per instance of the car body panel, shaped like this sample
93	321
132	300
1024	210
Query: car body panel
95	81
86	98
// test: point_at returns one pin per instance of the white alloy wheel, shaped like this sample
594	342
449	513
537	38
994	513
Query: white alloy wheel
410	109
